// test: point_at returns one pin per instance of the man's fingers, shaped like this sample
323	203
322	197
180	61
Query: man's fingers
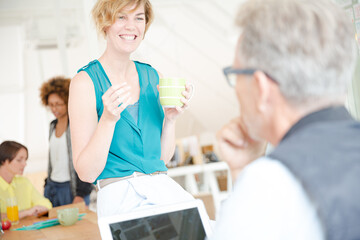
232	134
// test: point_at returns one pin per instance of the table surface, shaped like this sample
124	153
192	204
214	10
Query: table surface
87	228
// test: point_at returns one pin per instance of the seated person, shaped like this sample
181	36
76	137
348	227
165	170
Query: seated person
30	202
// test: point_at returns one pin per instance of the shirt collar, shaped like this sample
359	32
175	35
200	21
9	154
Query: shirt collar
3	184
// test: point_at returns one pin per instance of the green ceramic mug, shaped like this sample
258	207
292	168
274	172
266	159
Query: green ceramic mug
68	216
170	90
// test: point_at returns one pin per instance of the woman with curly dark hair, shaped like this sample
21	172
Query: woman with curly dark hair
62	185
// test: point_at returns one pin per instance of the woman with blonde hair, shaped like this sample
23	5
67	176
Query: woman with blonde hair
122	137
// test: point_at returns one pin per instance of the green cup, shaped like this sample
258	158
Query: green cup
68	216
171	89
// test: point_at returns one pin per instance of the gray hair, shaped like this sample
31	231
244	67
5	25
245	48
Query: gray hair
307	46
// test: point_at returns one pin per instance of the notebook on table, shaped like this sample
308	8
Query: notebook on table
181	221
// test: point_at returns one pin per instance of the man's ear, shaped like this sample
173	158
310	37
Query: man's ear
263	86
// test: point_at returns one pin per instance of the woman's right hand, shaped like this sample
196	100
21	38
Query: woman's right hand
90	137
115	100
34	211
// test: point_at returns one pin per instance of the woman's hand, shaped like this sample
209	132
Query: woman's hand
168	133
172	113
34	211
115	100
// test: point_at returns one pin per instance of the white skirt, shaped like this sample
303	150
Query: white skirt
139	192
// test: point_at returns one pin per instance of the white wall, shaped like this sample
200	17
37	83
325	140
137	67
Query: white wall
191	39
184	40
24	69
12	98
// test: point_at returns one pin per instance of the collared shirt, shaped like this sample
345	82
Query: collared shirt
26	194
267	202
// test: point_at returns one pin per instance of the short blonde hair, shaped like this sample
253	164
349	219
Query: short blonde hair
105	11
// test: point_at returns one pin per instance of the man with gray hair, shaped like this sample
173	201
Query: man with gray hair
293	63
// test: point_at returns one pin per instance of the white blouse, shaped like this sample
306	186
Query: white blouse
59	158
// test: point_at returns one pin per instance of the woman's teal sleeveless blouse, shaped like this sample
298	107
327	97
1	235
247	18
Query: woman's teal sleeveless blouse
135	146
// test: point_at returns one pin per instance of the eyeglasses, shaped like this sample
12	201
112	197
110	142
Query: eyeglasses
232	73
56	105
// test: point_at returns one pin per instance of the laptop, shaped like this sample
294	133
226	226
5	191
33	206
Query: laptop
181	221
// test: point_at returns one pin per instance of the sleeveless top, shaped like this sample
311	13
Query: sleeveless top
134	111
134	146
323	151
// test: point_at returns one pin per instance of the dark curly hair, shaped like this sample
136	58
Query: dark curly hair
9	149
59	85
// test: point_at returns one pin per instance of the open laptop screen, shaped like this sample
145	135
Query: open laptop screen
177	222
185	224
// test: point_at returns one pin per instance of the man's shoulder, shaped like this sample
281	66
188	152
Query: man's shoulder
266	179
271	185
267	197
265	170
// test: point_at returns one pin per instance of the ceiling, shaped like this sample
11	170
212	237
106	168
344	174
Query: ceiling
189	38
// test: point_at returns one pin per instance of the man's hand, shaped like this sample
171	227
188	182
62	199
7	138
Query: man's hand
236	147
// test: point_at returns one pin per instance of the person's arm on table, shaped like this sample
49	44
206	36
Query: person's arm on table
34	211
39	204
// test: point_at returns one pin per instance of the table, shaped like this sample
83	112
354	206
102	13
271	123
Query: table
87	228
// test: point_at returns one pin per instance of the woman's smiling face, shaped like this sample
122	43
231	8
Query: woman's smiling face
127	32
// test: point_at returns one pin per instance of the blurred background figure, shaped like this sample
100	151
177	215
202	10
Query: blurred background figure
62	185
293	63
13	157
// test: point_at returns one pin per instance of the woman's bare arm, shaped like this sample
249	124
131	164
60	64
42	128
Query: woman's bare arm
91	139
